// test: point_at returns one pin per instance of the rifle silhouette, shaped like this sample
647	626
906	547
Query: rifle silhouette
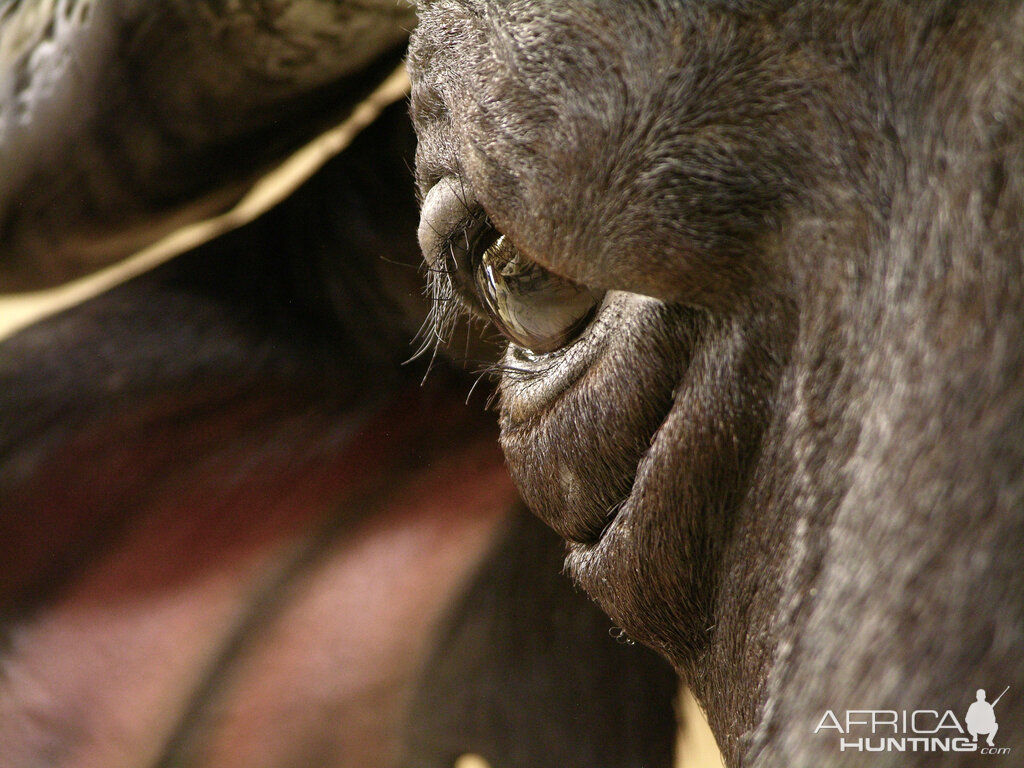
1000	696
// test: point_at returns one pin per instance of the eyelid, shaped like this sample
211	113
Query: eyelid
447	207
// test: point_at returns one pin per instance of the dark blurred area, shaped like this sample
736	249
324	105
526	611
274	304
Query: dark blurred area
235	527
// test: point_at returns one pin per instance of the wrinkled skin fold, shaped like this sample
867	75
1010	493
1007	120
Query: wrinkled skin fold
786	452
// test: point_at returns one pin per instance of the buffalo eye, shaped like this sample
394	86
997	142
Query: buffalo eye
534	308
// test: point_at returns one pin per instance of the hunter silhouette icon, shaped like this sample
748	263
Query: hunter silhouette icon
981	716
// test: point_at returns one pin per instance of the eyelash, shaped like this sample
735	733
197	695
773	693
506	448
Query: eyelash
447	306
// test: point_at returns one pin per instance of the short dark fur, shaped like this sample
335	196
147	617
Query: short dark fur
798	473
